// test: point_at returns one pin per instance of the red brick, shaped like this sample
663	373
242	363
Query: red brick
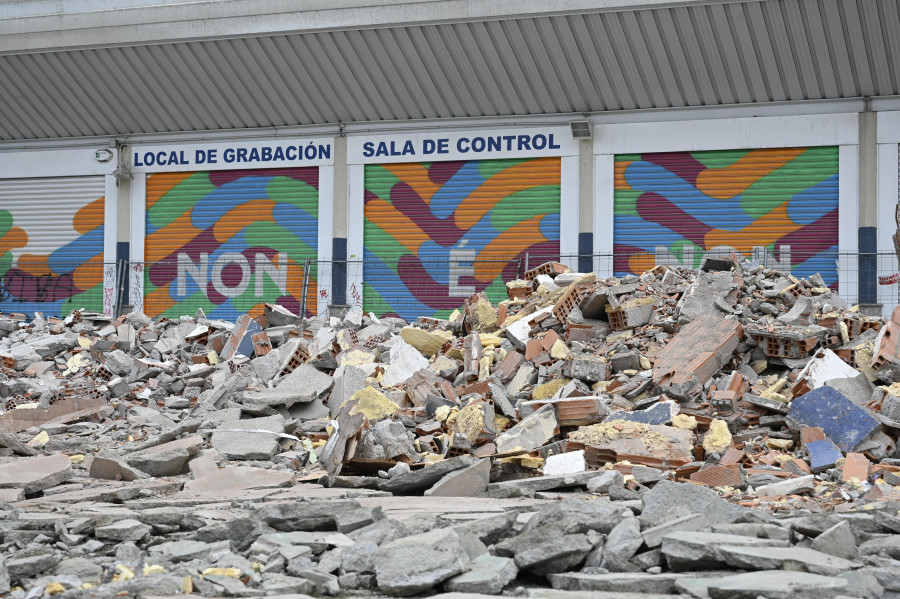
532	348
718	476
856	466
808	434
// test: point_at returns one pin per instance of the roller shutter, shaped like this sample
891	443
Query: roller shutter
51	244
230	241
437	232
779	206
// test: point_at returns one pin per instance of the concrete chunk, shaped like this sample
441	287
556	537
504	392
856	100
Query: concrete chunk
529	434
420	562
790	486
466	482
489	575
36	473
777	584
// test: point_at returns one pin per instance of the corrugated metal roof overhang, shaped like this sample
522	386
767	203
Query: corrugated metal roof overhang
694	55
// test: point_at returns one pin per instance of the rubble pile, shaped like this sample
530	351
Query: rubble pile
725	432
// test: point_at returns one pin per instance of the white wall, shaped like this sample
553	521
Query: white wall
888	194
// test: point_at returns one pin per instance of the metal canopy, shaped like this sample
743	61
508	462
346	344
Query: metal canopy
664	57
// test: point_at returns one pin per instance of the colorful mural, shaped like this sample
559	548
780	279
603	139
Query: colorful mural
230	241
69	278
779	206
437	232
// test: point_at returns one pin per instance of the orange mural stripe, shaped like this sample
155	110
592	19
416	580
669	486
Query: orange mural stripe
35	264
90	273
163	242
295	285
724	183
14	238
295	278
236	219
89	217
765	230
312	296
641	263
507	182
621	183
506	246
158	301
416	176
396	224
162	184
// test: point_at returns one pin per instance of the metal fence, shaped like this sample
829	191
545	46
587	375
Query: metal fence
403	284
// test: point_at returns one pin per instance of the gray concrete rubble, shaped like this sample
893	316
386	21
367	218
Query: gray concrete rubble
725	432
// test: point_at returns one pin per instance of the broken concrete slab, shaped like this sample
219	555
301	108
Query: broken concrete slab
420	562
626	582
233	479
777	584
489	575
420	480
694	550
466	482
529	434
791	486
795	558
250	439
35	474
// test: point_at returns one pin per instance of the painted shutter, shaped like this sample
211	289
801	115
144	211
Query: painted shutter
437	232
51	244
779	206
230	241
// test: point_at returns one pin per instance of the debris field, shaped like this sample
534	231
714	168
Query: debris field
724	432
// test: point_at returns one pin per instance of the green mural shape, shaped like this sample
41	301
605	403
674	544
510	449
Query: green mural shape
5	262
772	190
287	190
89	299
489	168
625	201
374	302
276	237
523	205
380	181
6	222
719	158
180	199
496	291
382	245
196	300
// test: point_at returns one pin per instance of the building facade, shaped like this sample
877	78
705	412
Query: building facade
402	155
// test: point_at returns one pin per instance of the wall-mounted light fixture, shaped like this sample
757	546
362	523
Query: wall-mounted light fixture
103	155
581	129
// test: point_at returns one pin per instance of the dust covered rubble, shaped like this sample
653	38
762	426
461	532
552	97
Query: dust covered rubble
724	432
